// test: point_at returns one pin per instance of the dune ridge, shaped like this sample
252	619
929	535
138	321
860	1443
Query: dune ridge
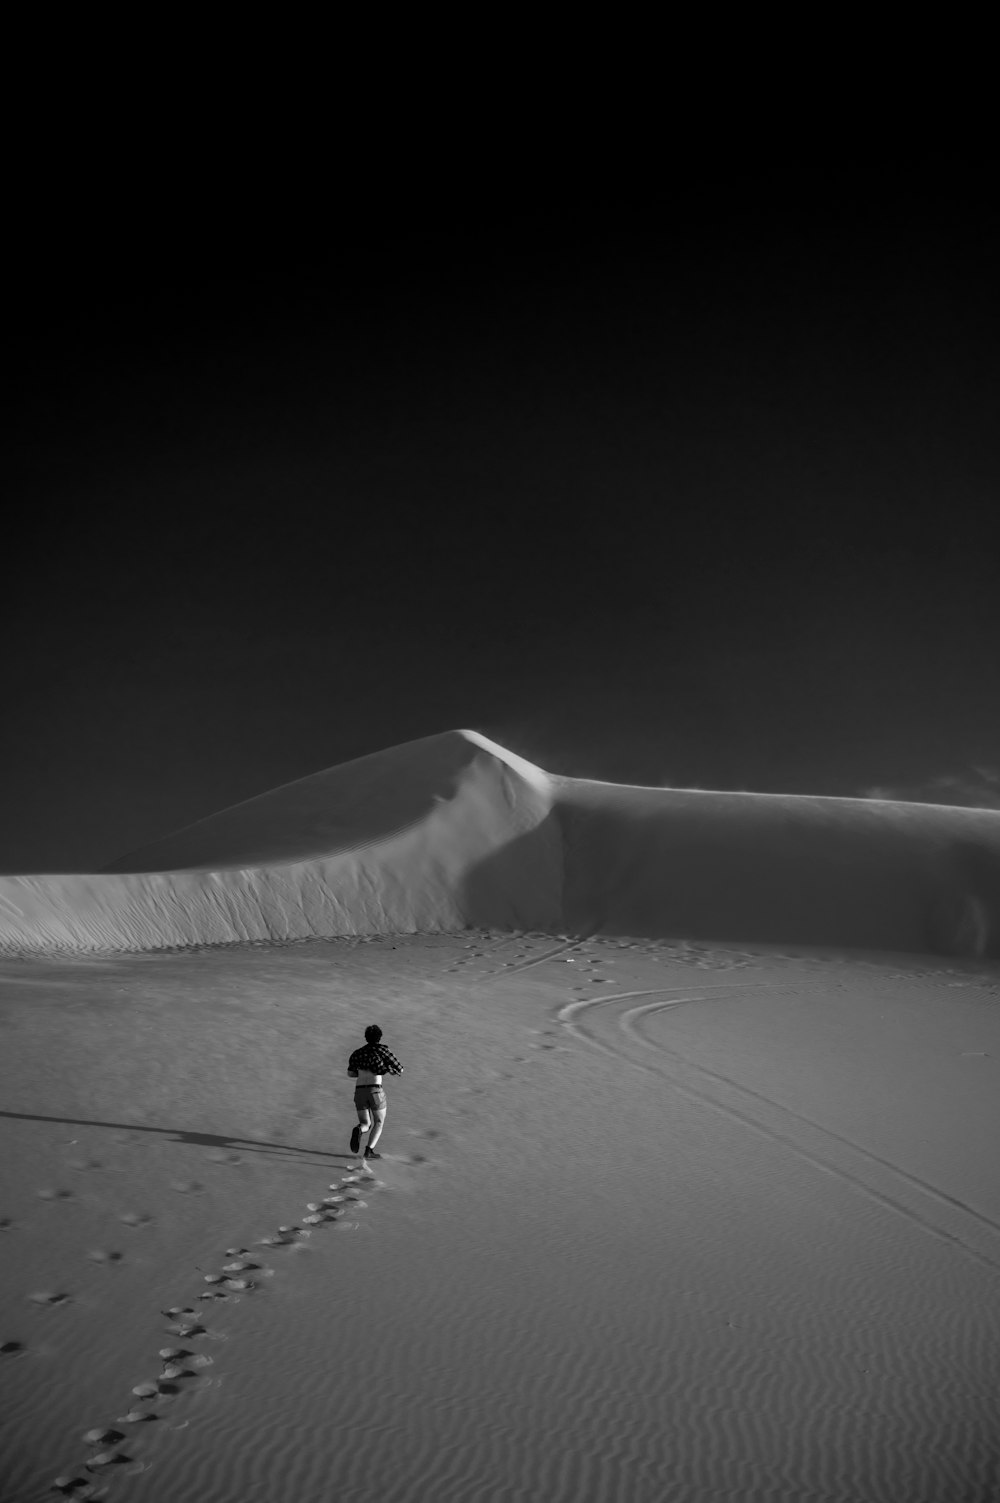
453	831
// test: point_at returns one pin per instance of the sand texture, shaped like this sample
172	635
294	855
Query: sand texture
688	1192
654	1221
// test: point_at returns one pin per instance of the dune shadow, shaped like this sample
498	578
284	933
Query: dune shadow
182	1135
519	885
612	860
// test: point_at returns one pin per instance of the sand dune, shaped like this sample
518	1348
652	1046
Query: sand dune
415	839
455	831
779	868
656	1217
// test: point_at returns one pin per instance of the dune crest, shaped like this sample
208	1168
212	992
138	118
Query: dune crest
454	831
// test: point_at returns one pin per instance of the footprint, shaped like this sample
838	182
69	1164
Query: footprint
85	1164
105	1459
73	1487
187	1186
223	1156
135	1218
103	1437
48	1297
12	1348
104	1255
49	1194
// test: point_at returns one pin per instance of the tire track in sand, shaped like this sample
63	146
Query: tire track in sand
934	1211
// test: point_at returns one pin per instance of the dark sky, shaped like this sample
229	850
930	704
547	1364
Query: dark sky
692	480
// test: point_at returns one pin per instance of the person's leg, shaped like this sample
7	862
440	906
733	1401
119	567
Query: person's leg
364	1123
377	1129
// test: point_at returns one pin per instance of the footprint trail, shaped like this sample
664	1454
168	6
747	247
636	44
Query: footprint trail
115	1449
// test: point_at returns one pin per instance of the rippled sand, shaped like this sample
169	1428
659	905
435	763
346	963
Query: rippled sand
653	1221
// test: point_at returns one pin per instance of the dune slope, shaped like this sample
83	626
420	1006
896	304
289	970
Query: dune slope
779	868
454	831
412	839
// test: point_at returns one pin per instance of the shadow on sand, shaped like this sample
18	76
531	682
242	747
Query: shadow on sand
201	1139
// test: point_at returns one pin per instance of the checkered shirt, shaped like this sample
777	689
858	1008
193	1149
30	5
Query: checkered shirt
376	1058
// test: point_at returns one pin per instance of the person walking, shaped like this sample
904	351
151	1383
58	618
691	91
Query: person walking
367	1065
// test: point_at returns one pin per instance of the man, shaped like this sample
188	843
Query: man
368	1065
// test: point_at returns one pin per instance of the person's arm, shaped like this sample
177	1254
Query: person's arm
352	1068
392	1065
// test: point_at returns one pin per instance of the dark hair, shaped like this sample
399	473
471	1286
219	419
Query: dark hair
373	1033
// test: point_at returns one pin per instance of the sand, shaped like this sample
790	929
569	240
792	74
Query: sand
654	1221
657	1218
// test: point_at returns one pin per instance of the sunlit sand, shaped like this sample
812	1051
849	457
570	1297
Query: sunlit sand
688	1189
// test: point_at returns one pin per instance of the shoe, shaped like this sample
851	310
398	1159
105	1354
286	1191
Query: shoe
356	1139
371	1154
